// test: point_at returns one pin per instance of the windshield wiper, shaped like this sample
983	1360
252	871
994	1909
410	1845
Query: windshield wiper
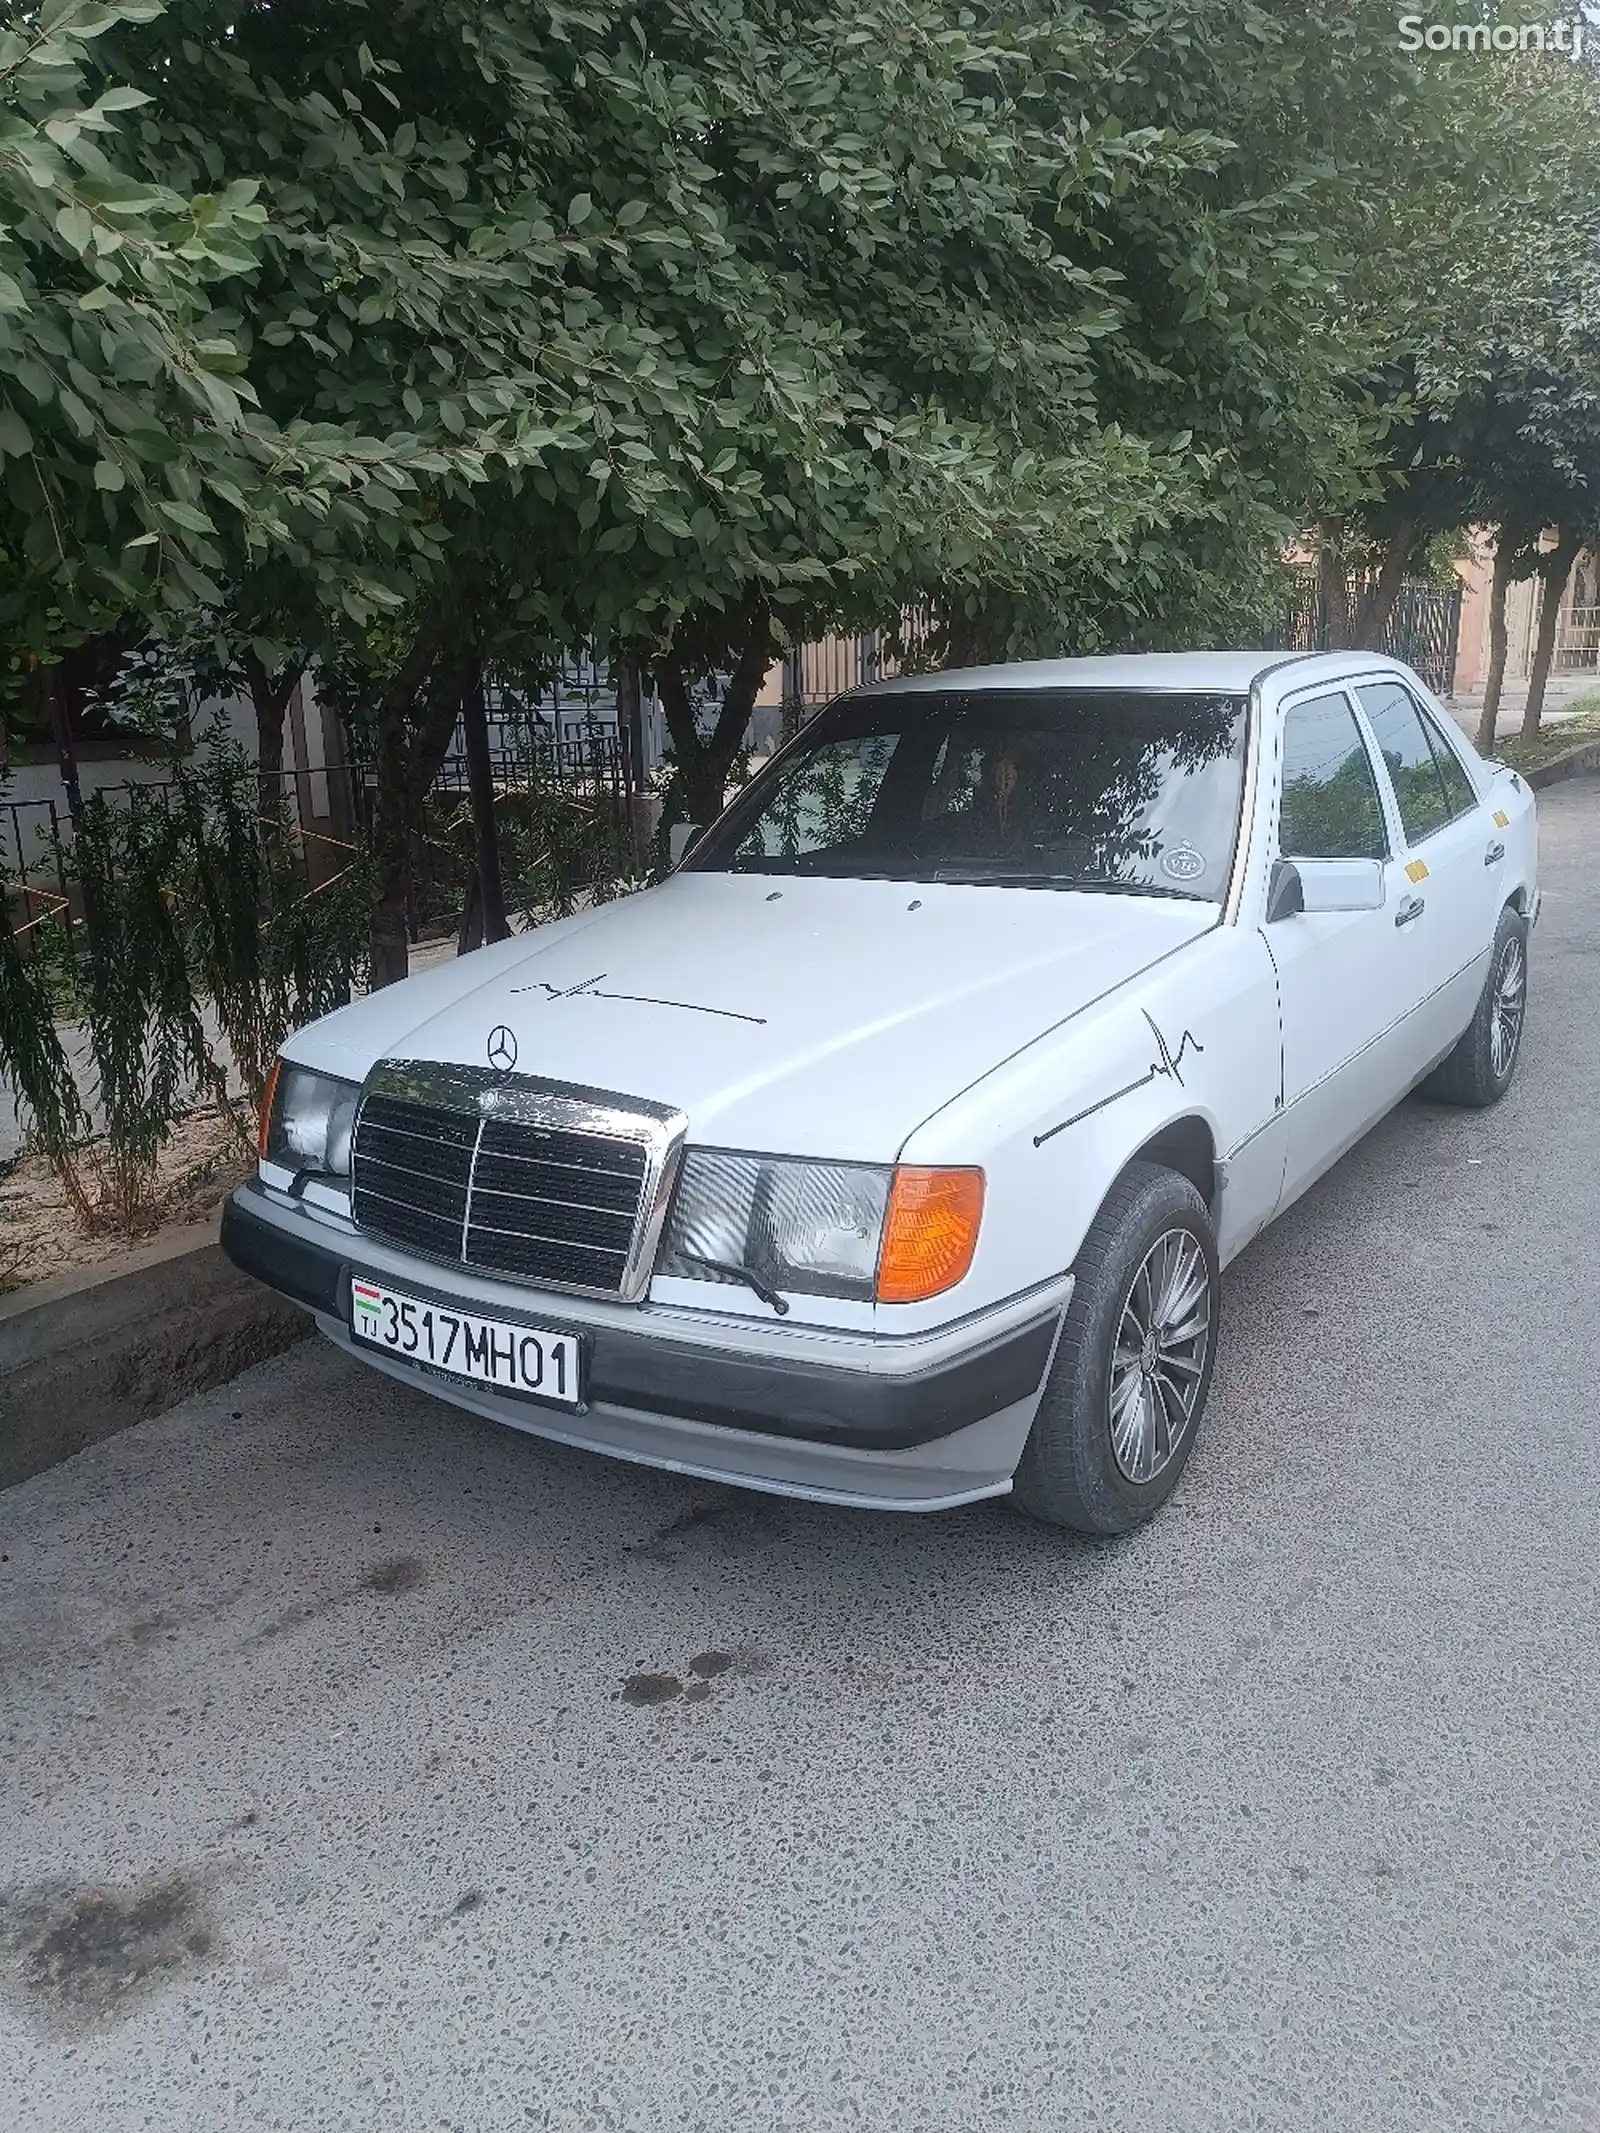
747	1275
978	876
998	876
1106	885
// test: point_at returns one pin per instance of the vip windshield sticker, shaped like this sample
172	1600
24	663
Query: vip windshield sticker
1183	863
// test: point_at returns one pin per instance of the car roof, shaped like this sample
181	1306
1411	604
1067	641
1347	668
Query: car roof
1229	673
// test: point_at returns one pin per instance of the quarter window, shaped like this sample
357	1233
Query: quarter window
1424	797
1331	808
1458	787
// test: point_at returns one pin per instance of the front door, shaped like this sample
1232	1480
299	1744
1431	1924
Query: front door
1348	980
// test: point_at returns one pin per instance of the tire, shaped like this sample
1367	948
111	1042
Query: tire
1076	1470
1478	1072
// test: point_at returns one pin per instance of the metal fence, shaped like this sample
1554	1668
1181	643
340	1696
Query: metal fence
39	878
33	861
588	765
1423	630
1578	641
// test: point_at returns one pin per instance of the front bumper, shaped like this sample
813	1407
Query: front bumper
913	1422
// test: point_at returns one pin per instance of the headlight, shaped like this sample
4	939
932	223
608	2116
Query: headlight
863	1230
307	1120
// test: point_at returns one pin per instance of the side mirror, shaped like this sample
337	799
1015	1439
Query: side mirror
1285	892
679	838
1341	884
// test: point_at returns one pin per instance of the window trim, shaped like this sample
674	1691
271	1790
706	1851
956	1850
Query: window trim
1436	740
1377	770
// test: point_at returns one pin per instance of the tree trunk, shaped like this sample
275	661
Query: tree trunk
1494	679
630	740
270	694
982	637
1377	605
393	808
485	826
61	734
1554	571
1332	591
704	764
960	637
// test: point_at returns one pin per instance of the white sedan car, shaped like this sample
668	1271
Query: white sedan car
889	1151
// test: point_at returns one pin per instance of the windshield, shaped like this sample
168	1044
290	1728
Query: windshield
1130	790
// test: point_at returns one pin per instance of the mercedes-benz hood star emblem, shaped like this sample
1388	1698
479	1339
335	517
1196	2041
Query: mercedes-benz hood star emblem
502	1049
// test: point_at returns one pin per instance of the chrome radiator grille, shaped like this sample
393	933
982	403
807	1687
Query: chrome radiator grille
562	1188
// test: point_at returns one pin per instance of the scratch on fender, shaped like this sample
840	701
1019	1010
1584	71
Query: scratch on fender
588	989
1169	1063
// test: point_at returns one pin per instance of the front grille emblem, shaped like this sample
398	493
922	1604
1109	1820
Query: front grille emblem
502	1049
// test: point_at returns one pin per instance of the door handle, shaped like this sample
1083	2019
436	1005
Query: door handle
1410	908
1496	852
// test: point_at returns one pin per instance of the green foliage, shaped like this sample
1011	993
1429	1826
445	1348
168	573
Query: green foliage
674	314
31	1051
1485	405
194	909
146	1034
138	463
266	954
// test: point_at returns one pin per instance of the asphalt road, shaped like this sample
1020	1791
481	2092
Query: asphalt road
366	1767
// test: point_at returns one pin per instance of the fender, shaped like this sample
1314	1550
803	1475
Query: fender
1196	1038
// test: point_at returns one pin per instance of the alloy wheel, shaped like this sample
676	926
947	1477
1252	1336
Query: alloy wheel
1159	1359
1510	998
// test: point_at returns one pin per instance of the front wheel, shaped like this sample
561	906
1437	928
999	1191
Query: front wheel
1132	1369
1478	1072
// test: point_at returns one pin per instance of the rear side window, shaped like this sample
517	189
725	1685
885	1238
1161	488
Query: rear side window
1458	787
1330	806
1430	786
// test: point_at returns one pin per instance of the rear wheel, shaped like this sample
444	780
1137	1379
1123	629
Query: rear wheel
1132	1369
1478	1072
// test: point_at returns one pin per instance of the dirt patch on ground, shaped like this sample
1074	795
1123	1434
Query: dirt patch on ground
41	1233
90	1956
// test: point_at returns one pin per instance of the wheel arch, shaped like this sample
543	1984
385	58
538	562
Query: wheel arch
1188	1146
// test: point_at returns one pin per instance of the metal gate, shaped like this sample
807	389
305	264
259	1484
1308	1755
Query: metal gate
1423	630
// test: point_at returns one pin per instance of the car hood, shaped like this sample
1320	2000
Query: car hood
809	1017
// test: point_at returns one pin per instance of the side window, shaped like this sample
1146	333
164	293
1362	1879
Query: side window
1403	740
1458	788
1330	806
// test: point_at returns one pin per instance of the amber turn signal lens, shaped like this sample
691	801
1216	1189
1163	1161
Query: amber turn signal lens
930	1234
269	1096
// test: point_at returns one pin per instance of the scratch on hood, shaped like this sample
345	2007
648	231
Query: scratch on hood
589	989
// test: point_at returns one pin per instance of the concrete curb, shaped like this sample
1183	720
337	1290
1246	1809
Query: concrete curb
90	1353
1586	756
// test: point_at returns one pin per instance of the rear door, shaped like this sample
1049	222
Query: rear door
1348	980
1454	856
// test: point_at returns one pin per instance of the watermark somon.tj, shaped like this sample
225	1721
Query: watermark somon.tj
1418	34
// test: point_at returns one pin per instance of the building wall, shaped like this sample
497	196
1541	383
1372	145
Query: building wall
1574	641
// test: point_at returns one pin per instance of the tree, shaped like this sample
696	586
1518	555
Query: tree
1482	407
135	457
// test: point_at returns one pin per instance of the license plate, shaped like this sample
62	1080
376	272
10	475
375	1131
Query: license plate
487	1351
